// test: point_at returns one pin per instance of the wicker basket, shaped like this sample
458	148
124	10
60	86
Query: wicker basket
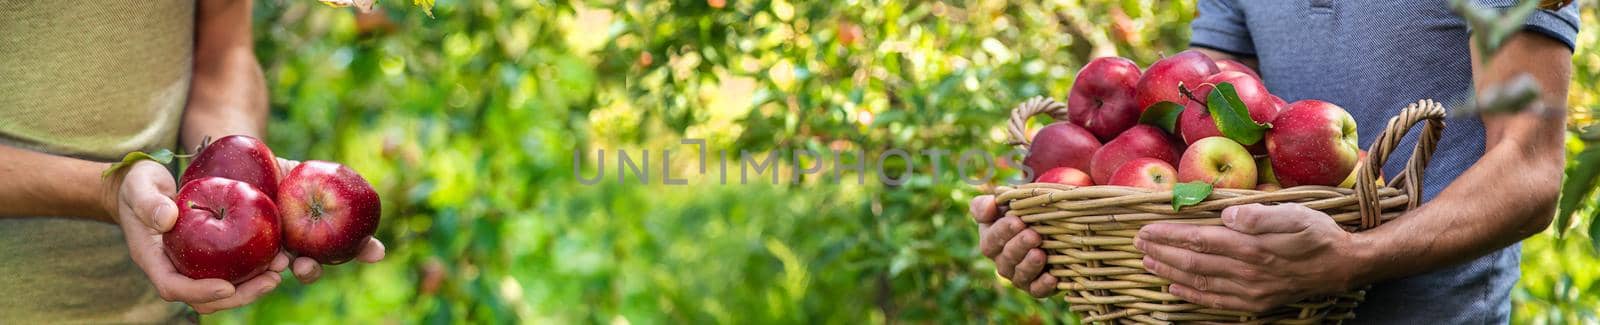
1089	231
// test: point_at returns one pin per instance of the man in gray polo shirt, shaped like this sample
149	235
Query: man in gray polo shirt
1492	182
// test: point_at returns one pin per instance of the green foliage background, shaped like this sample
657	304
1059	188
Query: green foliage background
467	123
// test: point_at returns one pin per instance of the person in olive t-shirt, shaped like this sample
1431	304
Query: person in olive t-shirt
1492	181
81	84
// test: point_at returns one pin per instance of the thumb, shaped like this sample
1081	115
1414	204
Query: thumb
983	209
147	190
1258	219
284	166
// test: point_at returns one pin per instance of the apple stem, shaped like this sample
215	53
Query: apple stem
218	213
206	141
1190	95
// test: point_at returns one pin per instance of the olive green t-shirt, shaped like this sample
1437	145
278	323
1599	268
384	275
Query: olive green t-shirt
91	80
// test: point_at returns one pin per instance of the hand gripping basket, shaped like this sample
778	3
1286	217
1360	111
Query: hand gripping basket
1088	231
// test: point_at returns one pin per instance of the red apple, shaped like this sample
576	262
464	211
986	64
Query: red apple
1313	142
1061	144
1226	65
226	229
1160	82
1102	98
1141	141
1219	161
1147	173
1065	175
1195	122
329	211
236	157
1265	187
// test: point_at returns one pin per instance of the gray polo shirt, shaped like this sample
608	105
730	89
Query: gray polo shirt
1373	58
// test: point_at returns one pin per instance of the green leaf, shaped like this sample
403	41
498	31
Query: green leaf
426	5
162	156
1594	232
1191	193
1232	118
1163	115
1582	173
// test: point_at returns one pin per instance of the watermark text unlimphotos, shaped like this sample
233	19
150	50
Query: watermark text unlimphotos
972	166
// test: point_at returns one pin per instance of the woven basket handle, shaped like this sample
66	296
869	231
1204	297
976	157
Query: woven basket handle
1409	180
1018	125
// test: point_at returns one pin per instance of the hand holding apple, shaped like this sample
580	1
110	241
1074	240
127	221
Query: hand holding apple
141	199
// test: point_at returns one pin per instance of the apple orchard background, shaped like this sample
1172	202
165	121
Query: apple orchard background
467	123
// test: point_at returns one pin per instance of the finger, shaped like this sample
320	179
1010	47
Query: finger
284	166
1044	286
1028	270
176	287
279	263
373	252
1014	251
1215	300
1258	219
1197	263
994	239
170	285
1192	280
1206	240
983	209
248	292
147	192
307	270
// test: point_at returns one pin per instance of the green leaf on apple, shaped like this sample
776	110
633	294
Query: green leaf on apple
1163	115
162	156
1232	118
1191	193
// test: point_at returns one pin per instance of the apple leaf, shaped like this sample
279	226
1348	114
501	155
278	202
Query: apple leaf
1232	118
162	156
1163	115
426	5
1583	173
1191	193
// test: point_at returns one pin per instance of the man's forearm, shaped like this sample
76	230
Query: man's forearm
228	94
1486	209
1509	194
44	185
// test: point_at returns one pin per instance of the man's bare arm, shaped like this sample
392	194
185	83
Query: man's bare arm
1507	195
228	94
44	185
